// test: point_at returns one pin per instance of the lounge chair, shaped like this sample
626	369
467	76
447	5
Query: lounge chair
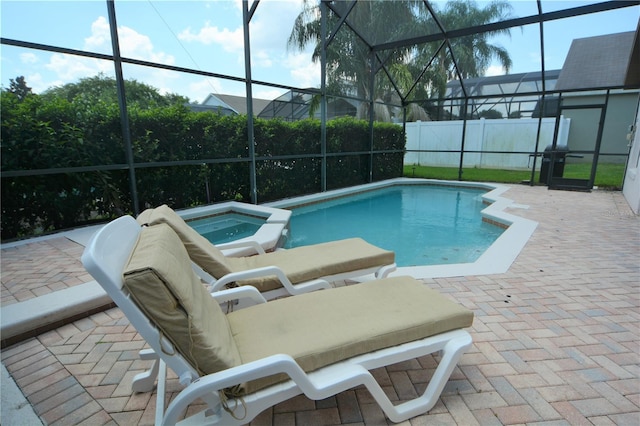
294	271
317	344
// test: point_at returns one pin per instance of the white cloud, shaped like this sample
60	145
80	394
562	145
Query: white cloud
136	45
199	90
163	80
229	40
270	27
36	82
100	38
267	93
28	58
68	68
262	59
494	70
535	57
303	71
272	24
132	43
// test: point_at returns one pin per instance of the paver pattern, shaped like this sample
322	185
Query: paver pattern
38	268
556	340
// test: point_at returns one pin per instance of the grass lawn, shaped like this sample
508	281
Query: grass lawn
608	175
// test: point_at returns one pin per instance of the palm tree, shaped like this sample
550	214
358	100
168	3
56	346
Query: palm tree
473	53
378	21
348	56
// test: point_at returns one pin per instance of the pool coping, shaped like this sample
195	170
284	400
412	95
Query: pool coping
498	258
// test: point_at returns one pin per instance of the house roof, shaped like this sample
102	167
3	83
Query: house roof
597	62
502	84
633	72
219	109
236	103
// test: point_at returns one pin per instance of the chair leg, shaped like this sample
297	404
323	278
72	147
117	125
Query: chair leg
326	382
451	354
160	397
144	382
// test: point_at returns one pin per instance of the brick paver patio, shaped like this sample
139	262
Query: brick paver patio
38	268
556	339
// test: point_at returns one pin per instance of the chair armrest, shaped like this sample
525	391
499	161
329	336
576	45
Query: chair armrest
252	273
271	271
202	274
308	286
237	293
242	244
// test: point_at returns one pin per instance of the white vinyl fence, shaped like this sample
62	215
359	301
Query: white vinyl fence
505	135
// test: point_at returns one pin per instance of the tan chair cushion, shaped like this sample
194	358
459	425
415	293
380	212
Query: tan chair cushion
201	251
300	264
323	327
160	279
306	263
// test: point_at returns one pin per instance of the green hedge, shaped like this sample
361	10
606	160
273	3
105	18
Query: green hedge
41	133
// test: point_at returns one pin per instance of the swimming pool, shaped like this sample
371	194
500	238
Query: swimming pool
514	230
436	261
422	224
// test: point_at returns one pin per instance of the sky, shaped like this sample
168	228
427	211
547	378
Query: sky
207	35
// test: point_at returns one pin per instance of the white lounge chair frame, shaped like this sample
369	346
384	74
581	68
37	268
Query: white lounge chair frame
288	288
105	258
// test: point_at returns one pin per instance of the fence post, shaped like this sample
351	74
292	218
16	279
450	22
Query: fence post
419	129
483	122
563	131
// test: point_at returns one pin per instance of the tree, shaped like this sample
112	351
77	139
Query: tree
490	114
348	56
19	87
473	53
379	21
103	89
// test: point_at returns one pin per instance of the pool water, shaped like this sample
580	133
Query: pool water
423	224
226	227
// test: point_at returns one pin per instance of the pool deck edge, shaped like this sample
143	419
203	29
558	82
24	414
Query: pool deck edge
34	316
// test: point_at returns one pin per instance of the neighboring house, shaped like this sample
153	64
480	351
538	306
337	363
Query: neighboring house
509	95
595	93
597	62
593	65
229	104
291	106
296	105
631	188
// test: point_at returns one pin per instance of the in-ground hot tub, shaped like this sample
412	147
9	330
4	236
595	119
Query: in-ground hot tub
237	222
